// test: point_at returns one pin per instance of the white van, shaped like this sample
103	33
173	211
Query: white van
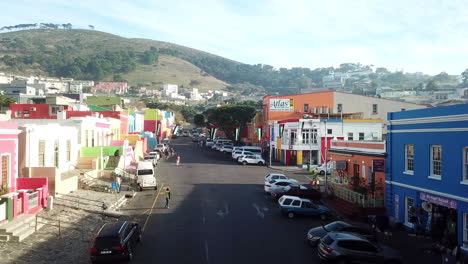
254	150
145	175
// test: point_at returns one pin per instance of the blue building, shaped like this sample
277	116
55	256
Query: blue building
427	171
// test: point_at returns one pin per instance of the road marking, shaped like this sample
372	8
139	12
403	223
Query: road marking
259	211
152	207
207	257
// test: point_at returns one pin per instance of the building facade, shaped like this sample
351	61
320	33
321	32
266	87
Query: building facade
427	172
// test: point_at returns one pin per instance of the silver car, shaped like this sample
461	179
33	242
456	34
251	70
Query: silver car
346	248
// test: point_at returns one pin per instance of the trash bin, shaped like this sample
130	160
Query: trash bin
308	166
50	202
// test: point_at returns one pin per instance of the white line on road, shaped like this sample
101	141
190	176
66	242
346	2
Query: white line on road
152	207
259	211
207	256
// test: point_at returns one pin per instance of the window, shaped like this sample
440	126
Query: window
329	131
465	164
306	108
41	152
68	150
56	153
18	113
340	108
409	157
293	137
54	110
363	171
374	109
361	136
86	138
287	202
306	136
296	203
350	136
314	136
409	212
26	113
436	160
5	170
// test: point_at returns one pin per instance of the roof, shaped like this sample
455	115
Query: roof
103	100
97	108
111	229
279	96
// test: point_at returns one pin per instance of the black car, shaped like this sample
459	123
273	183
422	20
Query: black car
315	234
115	241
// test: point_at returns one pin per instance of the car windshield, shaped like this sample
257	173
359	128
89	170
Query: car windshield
272	181
334	226
145	172
106	242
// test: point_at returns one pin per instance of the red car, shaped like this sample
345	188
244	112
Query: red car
301	191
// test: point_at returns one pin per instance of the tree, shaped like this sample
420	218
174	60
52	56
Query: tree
464	76
5	101
199	120
431	86
227	117
442	77
382	70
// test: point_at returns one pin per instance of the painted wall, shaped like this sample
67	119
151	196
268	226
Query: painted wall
43	111
9	147
96	151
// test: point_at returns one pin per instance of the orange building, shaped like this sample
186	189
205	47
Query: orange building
359	165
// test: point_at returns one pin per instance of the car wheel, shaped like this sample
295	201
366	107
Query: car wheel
244	163
323	217
260	163
130	254
322	172
290	215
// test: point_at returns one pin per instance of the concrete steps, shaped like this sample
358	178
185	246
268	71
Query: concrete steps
18	229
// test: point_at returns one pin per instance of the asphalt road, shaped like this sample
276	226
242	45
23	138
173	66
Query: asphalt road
219	213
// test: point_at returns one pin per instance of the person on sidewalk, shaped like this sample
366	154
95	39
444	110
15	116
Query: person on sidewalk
178	160
168	196
118	179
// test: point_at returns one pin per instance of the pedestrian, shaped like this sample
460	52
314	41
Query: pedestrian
178	160
119	182
168	196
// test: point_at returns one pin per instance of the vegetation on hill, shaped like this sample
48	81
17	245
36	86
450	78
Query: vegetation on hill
58	50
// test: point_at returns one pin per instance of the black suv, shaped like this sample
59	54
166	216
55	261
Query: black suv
115	241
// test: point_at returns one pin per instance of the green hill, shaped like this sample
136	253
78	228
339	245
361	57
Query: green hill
85	43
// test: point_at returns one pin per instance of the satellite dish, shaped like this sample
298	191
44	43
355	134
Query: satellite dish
427	206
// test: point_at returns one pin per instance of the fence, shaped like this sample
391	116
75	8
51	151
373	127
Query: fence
357	198
33	200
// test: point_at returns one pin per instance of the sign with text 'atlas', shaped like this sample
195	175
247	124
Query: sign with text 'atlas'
286	105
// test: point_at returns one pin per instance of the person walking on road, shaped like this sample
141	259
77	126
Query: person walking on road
168	196
178	160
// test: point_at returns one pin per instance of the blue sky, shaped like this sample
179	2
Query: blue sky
429	36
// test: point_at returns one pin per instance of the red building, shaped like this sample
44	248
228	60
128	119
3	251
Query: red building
36	111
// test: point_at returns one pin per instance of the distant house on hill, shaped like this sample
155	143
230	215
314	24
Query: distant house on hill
110	88
109	102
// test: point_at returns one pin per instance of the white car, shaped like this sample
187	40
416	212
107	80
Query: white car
217	146
226	148
251	159
278	185
209	143
155	155
276	177
239	153
321	168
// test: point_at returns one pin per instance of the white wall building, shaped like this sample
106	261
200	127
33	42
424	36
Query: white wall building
170	89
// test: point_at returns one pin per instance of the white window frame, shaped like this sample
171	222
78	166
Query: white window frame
306	136
435	176
407	170
407	215
352	136
375	109
363	136
363	174
465	166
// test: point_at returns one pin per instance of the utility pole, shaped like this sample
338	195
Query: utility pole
326	169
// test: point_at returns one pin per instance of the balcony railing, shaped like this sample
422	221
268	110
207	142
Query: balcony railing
357	198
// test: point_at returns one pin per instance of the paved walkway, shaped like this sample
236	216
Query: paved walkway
80	214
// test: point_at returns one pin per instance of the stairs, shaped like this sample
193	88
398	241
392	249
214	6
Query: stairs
18	229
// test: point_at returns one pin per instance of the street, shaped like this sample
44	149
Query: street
219	213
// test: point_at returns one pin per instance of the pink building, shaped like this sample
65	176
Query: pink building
17	195
110	87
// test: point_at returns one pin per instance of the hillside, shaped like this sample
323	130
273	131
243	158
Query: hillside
168	69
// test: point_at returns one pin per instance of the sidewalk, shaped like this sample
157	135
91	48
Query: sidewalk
80	214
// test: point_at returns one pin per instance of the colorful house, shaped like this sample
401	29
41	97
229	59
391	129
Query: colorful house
36	111
110	88
427	172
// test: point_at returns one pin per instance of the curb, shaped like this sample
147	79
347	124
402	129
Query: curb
122	200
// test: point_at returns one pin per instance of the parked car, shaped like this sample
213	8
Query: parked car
293	205
276	176
217	146
151	159
145	175
155	154
115	241
321	168
209	143
315	234
238	153
185	133
275	185
251	159
341	247
160	154
226	149
299	191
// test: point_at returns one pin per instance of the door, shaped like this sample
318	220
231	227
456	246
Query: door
356	170
293	157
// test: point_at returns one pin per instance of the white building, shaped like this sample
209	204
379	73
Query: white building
170	89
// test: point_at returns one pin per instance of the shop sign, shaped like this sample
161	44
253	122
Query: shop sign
438	200
378	165
285	105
